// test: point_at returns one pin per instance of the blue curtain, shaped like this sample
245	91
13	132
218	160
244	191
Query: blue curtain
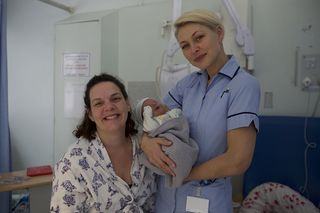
5	151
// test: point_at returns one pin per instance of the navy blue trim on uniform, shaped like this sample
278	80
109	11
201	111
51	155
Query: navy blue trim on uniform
242	113
236	72
225	75
174	99
207	182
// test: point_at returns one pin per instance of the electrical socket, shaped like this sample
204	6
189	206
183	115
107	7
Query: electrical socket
268	100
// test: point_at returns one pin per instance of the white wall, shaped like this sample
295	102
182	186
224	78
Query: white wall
140	35
277	27
30	70
30	77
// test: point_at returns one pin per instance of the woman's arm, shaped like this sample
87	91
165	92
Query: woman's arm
152	149
235	161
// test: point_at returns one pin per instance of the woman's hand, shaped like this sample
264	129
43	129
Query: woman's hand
152	148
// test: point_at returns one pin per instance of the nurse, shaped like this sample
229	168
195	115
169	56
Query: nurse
221	104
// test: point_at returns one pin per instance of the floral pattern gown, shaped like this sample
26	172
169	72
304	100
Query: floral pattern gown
84	181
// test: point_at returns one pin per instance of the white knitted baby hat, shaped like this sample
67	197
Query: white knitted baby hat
138	110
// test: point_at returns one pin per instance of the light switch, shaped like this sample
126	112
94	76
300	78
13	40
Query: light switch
268	100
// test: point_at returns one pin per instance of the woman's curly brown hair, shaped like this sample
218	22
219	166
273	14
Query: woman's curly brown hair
87	128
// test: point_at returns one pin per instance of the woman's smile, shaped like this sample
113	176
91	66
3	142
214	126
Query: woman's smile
199	58
109	108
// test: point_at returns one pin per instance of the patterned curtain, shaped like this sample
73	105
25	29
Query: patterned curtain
5	151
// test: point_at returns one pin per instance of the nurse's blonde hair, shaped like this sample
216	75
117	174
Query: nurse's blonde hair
198	16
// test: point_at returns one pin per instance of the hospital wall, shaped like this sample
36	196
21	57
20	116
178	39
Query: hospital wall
279	27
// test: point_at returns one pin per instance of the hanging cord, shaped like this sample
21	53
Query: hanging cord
309	145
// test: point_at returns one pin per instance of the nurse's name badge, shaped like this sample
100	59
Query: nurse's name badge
197	205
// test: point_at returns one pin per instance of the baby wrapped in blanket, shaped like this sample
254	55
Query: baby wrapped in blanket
159	121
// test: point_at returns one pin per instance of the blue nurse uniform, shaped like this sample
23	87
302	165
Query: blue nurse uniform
230	101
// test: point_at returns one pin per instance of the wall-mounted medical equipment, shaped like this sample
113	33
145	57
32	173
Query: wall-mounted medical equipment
243	37
168	73
168	76
307	74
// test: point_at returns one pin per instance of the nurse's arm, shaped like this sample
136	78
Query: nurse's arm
152	149
235	161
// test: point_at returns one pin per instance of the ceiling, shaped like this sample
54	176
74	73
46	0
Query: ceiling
73	6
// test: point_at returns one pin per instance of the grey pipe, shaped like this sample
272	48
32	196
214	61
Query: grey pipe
59	5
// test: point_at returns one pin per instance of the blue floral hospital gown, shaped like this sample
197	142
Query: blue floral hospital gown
85	181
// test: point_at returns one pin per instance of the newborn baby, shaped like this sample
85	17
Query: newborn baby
154	113
159	121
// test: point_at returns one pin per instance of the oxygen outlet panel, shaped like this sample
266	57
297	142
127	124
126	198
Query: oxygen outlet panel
309	69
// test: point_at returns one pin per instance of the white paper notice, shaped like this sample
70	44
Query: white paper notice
73	100
77	64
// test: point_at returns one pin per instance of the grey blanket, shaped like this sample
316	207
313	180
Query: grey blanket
183	151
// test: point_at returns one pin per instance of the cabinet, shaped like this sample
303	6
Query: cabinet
85	45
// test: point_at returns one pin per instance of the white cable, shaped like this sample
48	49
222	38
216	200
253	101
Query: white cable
310	145
235	18
244	37
174	46
233	13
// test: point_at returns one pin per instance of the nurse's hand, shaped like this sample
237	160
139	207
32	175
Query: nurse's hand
152	149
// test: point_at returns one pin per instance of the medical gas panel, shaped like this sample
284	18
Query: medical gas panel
308	68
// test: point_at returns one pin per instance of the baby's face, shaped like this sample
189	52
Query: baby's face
157	107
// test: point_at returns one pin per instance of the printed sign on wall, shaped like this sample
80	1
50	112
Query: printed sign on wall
73	100
76	64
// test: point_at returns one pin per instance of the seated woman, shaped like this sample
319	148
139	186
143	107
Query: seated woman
159	121
101	171
276	198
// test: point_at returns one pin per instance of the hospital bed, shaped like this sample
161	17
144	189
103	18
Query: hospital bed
281	155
